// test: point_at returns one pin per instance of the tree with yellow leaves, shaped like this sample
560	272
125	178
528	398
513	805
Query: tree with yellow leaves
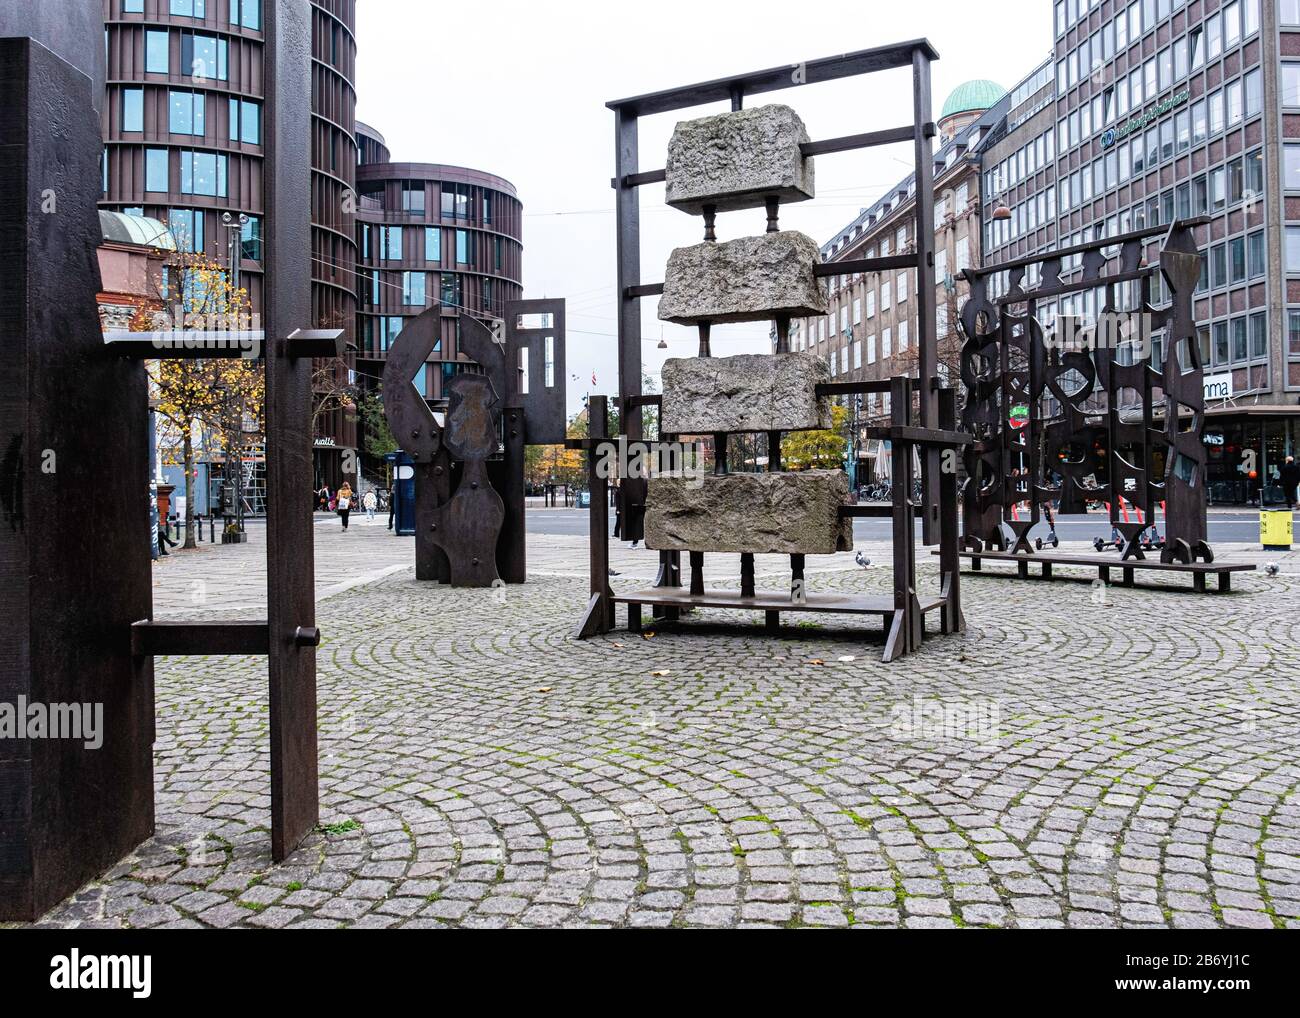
817	450
195	396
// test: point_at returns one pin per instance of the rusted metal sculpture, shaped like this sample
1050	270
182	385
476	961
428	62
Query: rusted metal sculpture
929	427
1088	414
75	607
469	483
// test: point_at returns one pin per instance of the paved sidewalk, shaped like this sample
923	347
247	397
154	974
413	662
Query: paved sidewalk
1080	756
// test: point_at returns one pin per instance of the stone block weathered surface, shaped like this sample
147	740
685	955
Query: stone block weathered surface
736	160
779	513
745	280
747	392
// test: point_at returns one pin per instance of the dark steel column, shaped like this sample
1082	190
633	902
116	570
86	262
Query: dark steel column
628	215
73	452
926	317
290	565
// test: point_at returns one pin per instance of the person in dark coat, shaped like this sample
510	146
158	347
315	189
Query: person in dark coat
1289	477
632	496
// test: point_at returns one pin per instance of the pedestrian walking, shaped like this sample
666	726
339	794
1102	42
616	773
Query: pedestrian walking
392	506
323	498
343	503
368	503
1289	476
164	539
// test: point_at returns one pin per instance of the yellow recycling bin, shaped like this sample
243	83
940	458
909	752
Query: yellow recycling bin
1275	529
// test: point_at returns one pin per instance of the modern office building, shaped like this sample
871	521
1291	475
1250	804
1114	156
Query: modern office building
1147	111
1163	110
870	331
183	129
429	234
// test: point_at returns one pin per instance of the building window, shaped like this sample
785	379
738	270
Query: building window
155	169
413	197
188	8
204	56
1219	331
1254	92
902	287
1293	249
413	289
133	109
1255	255
187	229
487	208
886	344
1288	12
247	13
432	244
902	335
884	296
455	201
1291	167
250	240
203	173
186	113
450	289
464	247
1290	82
132	6
1258	336
245	121
157	56
389	327
390	243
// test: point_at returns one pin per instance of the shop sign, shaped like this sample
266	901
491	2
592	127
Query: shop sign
1114	134
1218	386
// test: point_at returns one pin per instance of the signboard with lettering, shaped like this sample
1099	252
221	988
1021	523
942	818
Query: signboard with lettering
1218	386
1114	134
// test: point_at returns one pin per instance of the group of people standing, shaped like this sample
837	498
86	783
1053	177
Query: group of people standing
344	501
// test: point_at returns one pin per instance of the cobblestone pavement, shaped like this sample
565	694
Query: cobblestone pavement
1079	757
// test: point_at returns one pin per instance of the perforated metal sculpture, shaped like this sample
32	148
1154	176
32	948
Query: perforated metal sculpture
1095	415
469	485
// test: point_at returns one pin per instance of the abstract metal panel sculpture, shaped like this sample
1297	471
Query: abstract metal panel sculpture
762	158
1087	414
469	483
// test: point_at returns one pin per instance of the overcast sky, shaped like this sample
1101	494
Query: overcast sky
518	88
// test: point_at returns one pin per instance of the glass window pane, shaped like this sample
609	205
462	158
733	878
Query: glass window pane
155	169
133	109
156	52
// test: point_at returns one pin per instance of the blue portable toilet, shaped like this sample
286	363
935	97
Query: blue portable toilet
403	492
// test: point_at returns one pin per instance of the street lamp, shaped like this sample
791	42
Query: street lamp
234	234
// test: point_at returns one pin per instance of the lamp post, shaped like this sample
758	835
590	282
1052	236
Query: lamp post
234	230
234	225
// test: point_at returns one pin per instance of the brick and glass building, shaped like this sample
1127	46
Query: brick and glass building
430	234
871	329
1163	110
184	129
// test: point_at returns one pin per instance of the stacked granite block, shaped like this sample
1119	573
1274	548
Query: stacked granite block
744	159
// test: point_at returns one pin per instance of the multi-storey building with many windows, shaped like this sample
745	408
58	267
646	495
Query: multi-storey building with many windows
429	234
184	132
870	331
1164	110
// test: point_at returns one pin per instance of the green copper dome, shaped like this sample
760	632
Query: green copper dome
980	94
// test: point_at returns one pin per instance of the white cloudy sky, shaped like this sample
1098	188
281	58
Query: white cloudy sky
518	88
